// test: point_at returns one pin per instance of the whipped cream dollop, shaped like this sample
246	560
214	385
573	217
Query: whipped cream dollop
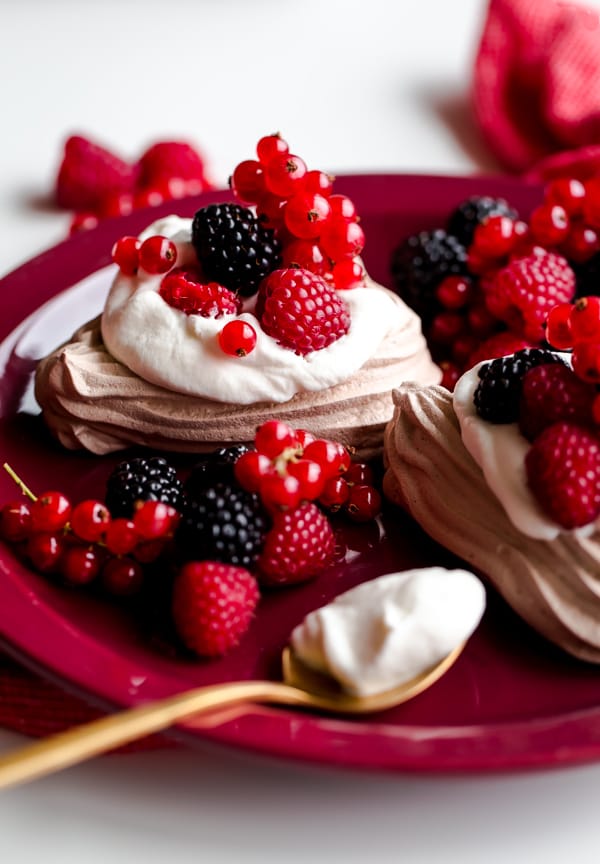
180	352
385	632
499	449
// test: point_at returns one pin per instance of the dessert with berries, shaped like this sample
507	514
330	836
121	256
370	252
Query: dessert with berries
254	309
506	473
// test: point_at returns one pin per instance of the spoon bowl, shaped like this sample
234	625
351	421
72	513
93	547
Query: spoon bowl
302	687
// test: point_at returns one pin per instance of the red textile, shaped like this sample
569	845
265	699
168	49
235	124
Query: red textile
536	84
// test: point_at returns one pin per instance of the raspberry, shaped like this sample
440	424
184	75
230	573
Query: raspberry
420	264
298	547
184	289
498	395
167	159
213	605
301	311
223	523
498	345
523	292
142	479
552	393
233	248
89	174
465	218
563	471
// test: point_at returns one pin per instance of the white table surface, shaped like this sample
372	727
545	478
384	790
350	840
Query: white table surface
374	85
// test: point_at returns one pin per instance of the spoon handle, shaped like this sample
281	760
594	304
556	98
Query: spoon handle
90	739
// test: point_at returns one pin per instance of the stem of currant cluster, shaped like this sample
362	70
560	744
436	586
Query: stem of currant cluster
14	476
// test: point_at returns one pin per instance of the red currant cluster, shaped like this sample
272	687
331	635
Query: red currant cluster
290	466
97	184
82	543
576	327
319	230
154	255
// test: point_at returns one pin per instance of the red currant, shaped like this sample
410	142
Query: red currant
464	346
581	243
446	327
359	474
250	469
586	361
283	174
149	551
237	338
558	327
280	492
79	565
50	512
122	577
248	181
451	372
89	520
304	438
44	550
342	239
335	493
549	224
153	519
317	182
121	536
364	503
310	476
348	273
15	521
454	292
126	255
157	254
305	215
481	321
270	210
342	208
495	237
306	255
568	192
584	320
329	456
273	437
271	146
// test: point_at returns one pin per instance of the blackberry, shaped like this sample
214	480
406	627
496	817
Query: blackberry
420	263
470	213
223	523
215	467
498	395
152	479
233	248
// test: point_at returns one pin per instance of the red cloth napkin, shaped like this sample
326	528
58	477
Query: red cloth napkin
536	86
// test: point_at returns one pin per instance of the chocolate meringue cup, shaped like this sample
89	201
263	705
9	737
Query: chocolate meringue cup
549	576
144	373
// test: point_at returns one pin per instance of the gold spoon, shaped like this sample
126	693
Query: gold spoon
303	687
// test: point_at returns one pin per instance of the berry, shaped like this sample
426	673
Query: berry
558	327
335	494
280	492
306	255
523	292
494	237
568	192
88	174
126	255
309	474
273	437
284	174
44	549
298	547
499	345
318	182
419	265
141	479
549	224
451	372
89	520
248	181
342	208
563	472
454	292
79	565
498	395
237	338
153	520
551	393
584	320
83	221
446	327
215	467
184	289
300	311
271	146
121	536
233	248
306	215
581	243
271	211
223	523
50	512
251	468
359	474
157	254
213	606
15	521
348	273
112	206
333	458
167	159
364	503
586	361
341	239
122	577
472	212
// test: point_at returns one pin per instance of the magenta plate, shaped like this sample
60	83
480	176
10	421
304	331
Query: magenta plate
511	700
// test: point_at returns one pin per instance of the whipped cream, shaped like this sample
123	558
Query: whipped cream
180	352
387	631
499	449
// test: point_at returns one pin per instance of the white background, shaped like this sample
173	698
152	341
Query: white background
353	86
